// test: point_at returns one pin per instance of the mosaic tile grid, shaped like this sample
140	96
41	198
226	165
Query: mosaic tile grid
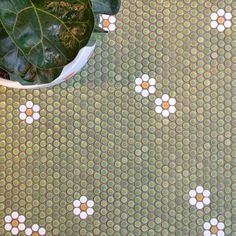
142	142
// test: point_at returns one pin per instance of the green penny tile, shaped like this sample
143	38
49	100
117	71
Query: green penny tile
98	137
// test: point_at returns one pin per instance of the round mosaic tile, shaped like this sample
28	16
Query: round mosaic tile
142	142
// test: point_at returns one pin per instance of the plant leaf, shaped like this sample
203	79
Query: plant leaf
48	33
13	61
109	7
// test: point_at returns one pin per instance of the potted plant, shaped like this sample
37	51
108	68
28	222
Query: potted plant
43	43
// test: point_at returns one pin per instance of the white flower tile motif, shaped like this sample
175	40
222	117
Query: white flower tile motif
145	85
199	197
165	105
214	228
35	230
14	223
107	22
29	112
221	20
83	207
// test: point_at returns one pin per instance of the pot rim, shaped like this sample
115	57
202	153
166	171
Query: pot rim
68	71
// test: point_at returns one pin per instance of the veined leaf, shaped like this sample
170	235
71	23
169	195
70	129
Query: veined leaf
13	61
109	7
48	33
39	37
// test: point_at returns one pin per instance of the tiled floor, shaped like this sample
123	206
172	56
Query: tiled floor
142	142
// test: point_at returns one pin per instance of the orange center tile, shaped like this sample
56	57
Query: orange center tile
83	207
221	20
214	229
15	223
199	197
165	105
105	23
35	234
145	85
29	112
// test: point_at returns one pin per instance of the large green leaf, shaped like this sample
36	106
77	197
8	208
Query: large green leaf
13	61
109	7
38	37
48	33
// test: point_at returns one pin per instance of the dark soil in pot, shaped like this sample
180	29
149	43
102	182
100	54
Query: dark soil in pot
4	74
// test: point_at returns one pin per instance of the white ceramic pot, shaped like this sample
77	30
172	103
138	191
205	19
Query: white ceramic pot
68	71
